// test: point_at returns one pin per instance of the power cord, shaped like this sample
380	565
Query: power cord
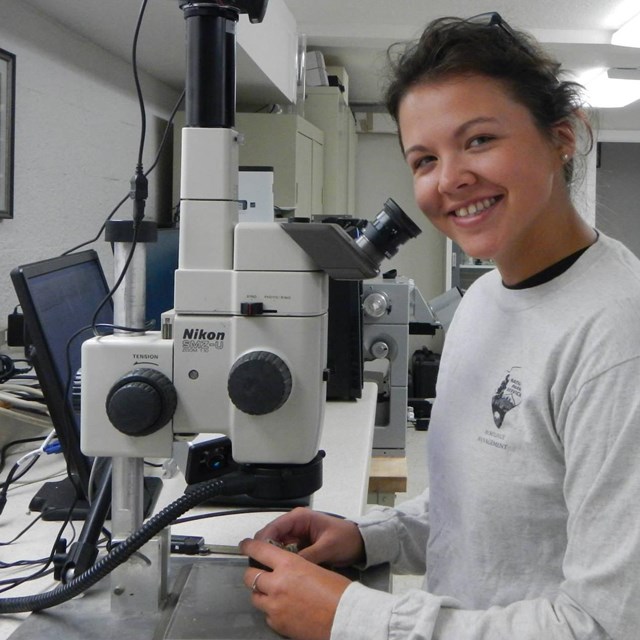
23	465
11	583
113	212
14	443
8	368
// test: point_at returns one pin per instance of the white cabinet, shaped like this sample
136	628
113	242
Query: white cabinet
286	142
295	150
327	108
266	57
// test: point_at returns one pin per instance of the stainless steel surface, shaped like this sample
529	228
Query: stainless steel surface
208	600
139	585
222	549
127	496
129	298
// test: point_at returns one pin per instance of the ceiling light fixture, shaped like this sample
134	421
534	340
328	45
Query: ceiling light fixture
624	73
612	88
628	35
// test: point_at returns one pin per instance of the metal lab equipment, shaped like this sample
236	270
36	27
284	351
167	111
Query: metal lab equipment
393	307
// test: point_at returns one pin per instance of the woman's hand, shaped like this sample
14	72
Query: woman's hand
321	539
298	598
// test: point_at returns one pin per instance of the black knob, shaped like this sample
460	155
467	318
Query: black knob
141	402
76	391
259	383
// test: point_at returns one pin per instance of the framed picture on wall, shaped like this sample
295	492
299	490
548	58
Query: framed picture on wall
7	128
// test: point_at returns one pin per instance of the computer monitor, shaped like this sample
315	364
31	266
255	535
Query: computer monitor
59	297
161	264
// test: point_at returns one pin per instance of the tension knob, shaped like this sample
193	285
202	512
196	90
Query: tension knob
141	402
259	383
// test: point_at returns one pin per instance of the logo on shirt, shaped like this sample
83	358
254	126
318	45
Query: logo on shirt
507	396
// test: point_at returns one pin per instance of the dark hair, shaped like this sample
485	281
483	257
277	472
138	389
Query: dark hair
486	45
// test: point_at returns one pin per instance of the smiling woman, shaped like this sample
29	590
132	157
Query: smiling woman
493	101
474	178
7	114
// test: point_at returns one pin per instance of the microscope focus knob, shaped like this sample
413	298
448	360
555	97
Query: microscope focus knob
380	349
259	383
141	402
376	305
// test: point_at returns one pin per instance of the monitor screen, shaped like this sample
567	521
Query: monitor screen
59	297
161	263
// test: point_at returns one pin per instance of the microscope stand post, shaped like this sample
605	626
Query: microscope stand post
140	583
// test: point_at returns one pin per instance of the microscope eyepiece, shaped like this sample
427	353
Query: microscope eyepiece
390	229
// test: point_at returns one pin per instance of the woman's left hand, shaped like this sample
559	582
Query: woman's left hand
298	597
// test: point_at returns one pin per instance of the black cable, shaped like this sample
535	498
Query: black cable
163	141
139	172
19	535
14	443
102	228
44	570
21	563
123	273
134	61
165	135
234	512
239	484
12	584
14	476
84	551
17	471
240	512
139	182
8	369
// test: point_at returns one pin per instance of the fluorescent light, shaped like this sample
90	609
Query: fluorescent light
624	73
628	35
609	92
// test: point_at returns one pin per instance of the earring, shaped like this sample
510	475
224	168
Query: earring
565	158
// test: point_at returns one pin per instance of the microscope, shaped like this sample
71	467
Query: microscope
393	309
244	351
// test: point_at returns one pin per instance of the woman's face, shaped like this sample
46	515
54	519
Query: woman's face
483	172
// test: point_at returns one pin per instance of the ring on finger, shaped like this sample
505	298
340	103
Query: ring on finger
254	584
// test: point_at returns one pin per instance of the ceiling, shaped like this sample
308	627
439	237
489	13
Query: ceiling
356	33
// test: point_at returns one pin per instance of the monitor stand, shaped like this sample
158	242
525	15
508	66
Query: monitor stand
54	500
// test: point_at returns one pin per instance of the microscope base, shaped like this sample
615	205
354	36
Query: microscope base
208	600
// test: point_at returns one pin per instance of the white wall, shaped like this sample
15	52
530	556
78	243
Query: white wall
76	140
381	172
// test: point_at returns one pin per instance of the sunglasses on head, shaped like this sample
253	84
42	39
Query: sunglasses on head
494	19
